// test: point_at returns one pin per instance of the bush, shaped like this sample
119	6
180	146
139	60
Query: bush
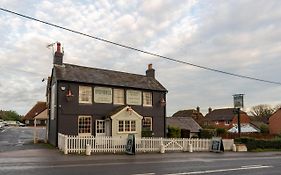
146	133
220	131
174	132
253	144
264	129
207	133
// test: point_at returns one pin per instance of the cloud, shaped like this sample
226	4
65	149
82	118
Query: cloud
241	37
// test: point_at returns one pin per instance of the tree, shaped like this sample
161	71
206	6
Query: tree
10	115
262	112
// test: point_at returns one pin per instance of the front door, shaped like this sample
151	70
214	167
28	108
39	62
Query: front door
100	128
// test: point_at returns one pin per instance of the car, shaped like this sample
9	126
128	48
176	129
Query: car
20	124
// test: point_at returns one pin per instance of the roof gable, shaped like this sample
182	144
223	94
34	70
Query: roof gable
75	73
222	114
183	123
35	110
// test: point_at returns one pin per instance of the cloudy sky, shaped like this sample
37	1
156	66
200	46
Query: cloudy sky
241	37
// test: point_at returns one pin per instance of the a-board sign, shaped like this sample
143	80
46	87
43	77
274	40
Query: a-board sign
130	147
217	145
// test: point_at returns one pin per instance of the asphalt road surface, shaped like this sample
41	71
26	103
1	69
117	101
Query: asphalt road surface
18	138
51	162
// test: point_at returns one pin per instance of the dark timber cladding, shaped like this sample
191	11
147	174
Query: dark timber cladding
65	112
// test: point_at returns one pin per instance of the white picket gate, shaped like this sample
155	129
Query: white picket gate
105	144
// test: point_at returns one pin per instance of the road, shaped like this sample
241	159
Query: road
45	161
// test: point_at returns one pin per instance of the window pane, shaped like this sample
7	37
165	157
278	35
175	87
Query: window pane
84	125
121	126
147	123
147	99
127	125
118	96
85	94
100	128
133	125
103	95
133	97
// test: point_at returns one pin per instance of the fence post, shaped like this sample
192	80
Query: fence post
65	144
162	147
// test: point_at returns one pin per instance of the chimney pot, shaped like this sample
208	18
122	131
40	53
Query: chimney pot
210	110
58	47
149	66
198	109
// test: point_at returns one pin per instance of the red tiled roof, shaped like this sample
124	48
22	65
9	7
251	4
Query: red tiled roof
35	110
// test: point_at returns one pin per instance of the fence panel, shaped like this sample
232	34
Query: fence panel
106	144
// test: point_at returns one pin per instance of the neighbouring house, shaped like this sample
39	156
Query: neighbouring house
90	101
244	128
275	122
195	114
225	118
39	111
188	126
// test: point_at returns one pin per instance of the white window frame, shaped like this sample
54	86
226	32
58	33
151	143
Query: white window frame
106	97
144	124
85	91
124	129
147	98
89	123
133	97
100	126
118	96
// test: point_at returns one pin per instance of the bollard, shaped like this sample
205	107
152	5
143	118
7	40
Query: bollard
234	148
162	148
88	149
190	149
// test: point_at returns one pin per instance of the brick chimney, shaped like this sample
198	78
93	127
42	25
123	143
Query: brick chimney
58	57
150	72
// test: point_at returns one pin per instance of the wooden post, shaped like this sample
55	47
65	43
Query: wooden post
34	132
65	144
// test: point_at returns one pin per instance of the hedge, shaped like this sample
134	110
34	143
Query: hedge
253	144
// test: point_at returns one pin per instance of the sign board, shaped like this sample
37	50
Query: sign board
130	147
217	145
238	101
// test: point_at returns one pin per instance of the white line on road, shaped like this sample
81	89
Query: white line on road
223	170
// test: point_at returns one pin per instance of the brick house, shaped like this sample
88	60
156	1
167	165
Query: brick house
193	113
91	101
39	109
225	118
275	122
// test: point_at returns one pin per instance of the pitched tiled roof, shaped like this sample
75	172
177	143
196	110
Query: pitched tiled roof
35	110
184	113
222	114
183	123
82	74
197	116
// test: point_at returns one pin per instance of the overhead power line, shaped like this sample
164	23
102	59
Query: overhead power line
139	50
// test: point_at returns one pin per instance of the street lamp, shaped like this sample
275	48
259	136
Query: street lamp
238	103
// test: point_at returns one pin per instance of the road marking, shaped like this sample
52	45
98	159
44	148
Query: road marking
145	174
223	170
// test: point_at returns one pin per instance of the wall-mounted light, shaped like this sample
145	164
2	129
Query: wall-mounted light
162	102
69	95
62	88
129	109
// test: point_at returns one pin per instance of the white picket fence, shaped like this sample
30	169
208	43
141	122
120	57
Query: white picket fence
105	144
